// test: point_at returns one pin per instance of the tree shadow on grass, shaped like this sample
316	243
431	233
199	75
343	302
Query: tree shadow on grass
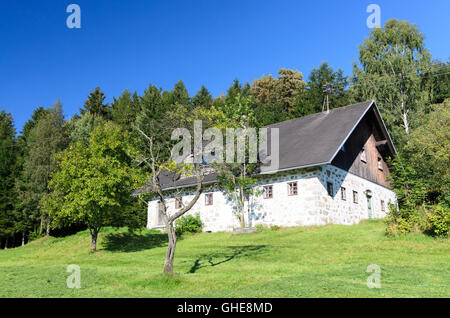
133	242
234	252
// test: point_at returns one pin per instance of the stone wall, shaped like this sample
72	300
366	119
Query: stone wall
311	206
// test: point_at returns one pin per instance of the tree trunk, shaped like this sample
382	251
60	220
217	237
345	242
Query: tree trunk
168	265
94	236
47	230
241	199
6	244
405	118
41	227
23	238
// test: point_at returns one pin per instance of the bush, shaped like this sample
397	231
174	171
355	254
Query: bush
188	224
399	221
439	221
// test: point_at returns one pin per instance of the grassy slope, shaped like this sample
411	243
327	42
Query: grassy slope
325	261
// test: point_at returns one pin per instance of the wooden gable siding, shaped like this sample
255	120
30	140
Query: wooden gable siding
365	135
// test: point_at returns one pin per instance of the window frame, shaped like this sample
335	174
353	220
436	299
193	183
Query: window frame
363	155
294	185
209	201
380	163
355	197
383	206
343	194
265	193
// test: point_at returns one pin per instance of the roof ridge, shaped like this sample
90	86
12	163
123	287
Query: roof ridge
319	113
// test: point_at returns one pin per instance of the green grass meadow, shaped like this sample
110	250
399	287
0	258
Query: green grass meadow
328	261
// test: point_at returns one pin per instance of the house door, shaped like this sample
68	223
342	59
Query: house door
369	203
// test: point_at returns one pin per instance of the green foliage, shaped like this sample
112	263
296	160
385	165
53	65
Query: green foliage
439	220
94	104
80	129
311	99
428	152
274	228
202	98
47	138
188	224
283	89
93	183
400	221
392	61
7	175
125	109
409	188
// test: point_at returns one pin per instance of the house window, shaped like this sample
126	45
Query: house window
363	155
330	188
268	192
178	203
383	208
292	188
208	199
355	197
380	164
343	194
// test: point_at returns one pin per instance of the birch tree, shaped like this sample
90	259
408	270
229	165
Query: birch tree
391	62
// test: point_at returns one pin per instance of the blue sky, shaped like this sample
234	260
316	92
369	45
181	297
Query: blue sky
129	44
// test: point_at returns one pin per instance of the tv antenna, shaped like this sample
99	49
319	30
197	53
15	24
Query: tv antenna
327	89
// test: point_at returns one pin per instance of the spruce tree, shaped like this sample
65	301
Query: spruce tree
7	175
47	138
95	104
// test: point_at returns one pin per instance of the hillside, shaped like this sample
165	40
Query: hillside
328	261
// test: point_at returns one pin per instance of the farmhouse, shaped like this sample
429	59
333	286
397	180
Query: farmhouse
332	169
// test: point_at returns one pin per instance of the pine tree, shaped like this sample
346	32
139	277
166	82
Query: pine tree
7	175
203	98
180	95
125	109
47	138
95	104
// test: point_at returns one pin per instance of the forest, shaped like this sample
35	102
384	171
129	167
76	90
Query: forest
61	175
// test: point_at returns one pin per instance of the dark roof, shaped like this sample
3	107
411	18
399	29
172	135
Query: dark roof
311	140
315	139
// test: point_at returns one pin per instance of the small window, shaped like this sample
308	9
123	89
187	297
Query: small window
363	155
268	192
330	188
178	203
292	188
383	208
343	194
355	197
380	164
208	199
